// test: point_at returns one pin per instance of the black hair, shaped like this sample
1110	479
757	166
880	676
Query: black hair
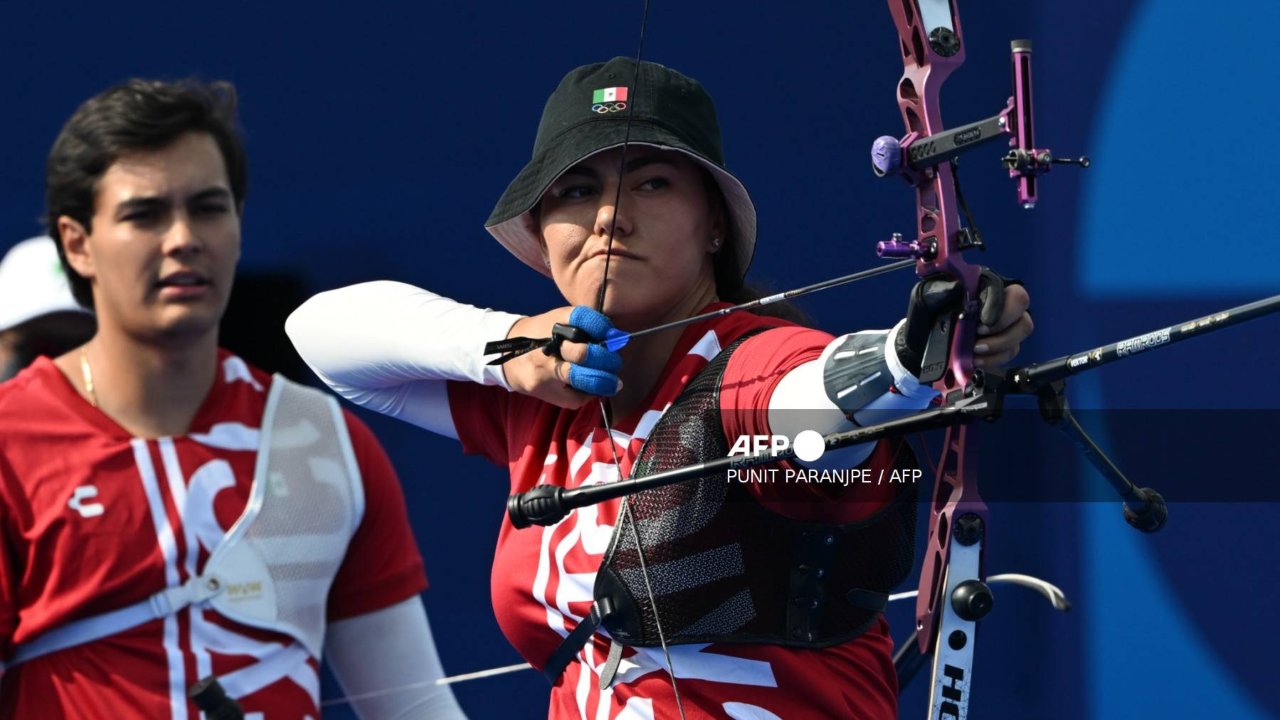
137	115
730	287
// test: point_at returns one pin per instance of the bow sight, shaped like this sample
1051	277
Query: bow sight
914	156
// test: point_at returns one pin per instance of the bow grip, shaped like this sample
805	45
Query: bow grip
934	363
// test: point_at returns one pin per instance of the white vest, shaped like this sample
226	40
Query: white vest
274	567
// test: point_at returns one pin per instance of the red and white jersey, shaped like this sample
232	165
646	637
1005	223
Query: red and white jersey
543	577
93	519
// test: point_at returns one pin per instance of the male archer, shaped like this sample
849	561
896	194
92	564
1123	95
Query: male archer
169	512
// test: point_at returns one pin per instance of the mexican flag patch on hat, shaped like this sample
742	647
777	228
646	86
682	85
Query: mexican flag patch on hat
612	94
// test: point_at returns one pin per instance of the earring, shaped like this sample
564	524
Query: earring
715	243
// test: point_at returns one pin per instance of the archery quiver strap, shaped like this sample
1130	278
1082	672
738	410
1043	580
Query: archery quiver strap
723	568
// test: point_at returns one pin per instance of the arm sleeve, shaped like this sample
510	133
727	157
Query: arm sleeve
390	347
387	664
801	399
773	384
382	565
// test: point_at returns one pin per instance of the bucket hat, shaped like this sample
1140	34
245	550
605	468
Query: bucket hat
587	114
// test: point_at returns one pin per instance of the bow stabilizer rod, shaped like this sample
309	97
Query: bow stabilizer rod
548	504
1032	376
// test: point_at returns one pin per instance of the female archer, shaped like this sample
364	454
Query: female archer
715	598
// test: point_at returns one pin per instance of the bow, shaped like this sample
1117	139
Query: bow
952	595
932	48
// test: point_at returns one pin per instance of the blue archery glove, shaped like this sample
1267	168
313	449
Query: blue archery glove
597	374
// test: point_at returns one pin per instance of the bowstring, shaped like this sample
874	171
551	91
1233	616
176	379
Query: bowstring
622	161
438	682
625	514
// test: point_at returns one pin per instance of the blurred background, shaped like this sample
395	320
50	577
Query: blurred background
381	134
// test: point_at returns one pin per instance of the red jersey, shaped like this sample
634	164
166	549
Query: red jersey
543	577
94	520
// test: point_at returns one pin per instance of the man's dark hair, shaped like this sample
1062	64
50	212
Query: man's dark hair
138	115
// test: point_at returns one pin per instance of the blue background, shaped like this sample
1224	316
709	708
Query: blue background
381	135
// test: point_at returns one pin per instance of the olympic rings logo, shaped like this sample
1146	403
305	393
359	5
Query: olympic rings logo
608	107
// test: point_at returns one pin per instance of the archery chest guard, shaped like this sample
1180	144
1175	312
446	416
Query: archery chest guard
726	569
